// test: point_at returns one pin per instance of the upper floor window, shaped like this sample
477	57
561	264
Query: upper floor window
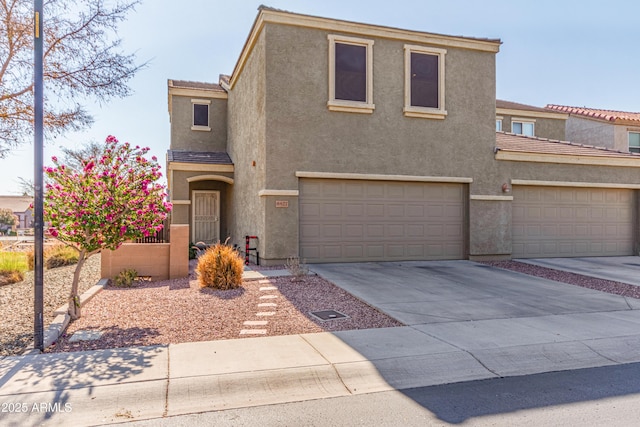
350	74
522	127
424	82
499	125
200	117
634	142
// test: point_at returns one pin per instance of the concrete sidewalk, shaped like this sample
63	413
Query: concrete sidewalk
109	386
466	322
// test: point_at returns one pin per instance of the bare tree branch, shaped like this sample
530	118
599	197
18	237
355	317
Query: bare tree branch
83	59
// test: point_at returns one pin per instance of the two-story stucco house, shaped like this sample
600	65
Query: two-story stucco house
528	120
339	141
617	130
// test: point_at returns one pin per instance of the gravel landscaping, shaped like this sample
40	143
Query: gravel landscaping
609	286
175	311
16	303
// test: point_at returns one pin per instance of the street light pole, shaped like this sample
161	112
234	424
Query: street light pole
38	100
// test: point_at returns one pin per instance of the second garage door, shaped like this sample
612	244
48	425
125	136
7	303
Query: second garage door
572	222
355	220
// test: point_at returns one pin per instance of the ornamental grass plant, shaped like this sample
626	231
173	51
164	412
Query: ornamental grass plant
220	267
13	265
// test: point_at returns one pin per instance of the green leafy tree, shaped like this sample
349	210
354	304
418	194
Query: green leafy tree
113	198
7	219
82	60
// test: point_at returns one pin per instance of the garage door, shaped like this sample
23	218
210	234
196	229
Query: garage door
572	222
353	220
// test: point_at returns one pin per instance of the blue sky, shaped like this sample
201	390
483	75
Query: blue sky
569	52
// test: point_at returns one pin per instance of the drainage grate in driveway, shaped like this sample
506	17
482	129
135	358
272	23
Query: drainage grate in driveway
325	315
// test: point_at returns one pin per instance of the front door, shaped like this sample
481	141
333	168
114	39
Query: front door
206	216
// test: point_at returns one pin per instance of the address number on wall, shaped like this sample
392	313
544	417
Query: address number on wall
282	203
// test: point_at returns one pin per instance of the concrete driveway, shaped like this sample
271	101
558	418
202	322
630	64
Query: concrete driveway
513	324
430	292
625	269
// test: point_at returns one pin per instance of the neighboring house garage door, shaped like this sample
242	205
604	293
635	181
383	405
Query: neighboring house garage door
355	220
572	222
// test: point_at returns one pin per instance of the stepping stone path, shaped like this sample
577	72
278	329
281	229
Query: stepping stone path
266	294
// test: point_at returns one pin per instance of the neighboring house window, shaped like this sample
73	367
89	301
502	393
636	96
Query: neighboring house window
522	127
634	142
200	117
424	82
499	125
350	74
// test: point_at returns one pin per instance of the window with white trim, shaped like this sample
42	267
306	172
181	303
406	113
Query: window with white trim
634	142
424	82
499	125
200	114
523	127
350	74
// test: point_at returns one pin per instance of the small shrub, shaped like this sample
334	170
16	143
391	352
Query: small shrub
220	267
10	277
55	256
59	256
193	251
125	278
12	267
297	268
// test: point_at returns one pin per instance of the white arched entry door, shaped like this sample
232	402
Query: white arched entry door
205	216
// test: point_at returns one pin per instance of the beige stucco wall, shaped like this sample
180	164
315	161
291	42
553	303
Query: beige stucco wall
246	146
544	127
591	132
160	261
183	138
303	135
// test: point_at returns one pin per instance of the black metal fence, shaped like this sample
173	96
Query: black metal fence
161	236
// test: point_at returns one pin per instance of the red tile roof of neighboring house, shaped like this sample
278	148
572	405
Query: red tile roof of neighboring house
594	113
508	105
208	157
195	85
529	144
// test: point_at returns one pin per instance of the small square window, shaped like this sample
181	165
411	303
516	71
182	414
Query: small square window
350	75
424	82
523	128
200	117
634	142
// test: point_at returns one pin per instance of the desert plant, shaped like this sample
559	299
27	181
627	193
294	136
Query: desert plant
12	267
55	256
125	278
297	268
220	267
59	256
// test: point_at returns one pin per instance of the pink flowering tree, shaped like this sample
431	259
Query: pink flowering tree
110	198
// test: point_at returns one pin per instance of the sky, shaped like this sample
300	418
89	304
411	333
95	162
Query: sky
567	52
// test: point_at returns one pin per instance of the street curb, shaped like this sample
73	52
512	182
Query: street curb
61	321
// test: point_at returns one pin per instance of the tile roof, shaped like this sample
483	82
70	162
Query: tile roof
224	79
207	157
195	85
15	203
594	113
528	144
508	105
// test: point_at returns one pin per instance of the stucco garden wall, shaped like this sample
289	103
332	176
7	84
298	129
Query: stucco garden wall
160	261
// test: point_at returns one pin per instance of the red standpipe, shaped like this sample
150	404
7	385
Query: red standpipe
247	249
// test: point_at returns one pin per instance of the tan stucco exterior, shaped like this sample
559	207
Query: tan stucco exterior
280	129
599	133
